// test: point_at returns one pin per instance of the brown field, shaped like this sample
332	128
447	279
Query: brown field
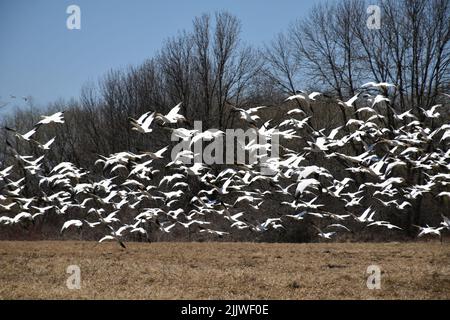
37	270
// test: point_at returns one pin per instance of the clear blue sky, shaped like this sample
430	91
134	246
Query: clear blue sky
40	57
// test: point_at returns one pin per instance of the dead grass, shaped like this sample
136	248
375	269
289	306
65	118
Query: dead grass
37	270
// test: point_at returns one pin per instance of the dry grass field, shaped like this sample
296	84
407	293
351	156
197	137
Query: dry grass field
37	270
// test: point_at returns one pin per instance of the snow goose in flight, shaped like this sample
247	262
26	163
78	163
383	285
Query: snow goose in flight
246	115
70	223
112	237
298	216
54	118
5	172
304	96
379	98
143	123
172	117
383	85
338	225
207	135
22	216
349	103
384	224
155	155
431	113
26	137
446	222
45	146
444	194
325	235
366	216
216	232
303	184
429	230
404	115
7	207
295	111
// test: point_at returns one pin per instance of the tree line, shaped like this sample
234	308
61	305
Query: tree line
211	70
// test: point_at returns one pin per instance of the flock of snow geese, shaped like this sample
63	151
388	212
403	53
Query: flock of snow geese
157	198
